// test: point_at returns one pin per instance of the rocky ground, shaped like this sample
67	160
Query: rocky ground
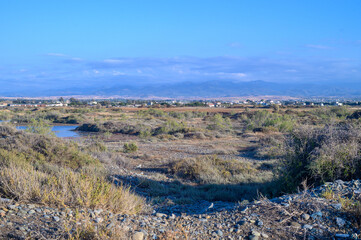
311	214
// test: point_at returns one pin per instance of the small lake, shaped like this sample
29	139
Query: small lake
61	131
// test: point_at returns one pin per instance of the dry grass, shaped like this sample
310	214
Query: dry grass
355	211
212	169
83	228
39	169
66	188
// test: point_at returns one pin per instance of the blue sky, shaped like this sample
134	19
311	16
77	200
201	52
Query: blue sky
72	43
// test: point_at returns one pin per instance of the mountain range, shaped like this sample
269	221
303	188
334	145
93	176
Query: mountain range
194	89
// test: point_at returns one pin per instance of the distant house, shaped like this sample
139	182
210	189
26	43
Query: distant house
210	104
93	103
26	105
57	104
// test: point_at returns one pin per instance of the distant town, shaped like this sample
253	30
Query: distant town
141	103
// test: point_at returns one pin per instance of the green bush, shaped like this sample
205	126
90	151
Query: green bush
321	154
40	127
171	127
42	148
218	122
266	120
130	147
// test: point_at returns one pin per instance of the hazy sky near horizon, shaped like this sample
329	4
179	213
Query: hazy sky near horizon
71	43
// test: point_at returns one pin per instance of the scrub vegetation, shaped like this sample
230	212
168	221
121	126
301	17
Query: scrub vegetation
174	155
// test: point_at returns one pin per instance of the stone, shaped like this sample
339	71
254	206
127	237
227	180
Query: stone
98	211
317	215
31	212
12	207
259	223
56	219
295	224
253	237
160	215
337	206
264	235
255	233
98	220
172	216
219	233
244	210
342	235
307	226
339	181
5	200
110	225
2	213
305	216
138	236
340	222
242	222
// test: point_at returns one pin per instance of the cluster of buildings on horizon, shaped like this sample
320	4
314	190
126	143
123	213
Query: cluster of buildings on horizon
172	103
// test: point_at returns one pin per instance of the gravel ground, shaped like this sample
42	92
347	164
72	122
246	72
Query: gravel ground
299	216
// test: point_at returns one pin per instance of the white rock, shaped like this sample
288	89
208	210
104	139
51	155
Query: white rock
340	222
138	236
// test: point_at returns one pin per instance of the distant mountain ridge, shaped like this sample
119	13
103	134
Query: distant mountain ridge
197	89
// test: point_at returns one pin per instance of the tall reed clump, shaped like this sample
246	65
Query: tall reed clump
59	176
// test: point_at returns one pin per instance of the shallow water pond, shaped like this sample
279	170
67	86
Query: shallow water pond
60	131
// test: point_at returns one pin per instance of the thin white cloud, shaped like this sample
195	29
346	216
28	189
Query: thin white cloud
117	73
315	46
56	54
234	45
291	70
113	61
76	59
239	75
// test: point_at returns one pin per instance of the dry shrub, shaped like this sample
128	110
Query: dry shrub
271	147
44	149
322	155
36	168
212	169
356	213
111	159
65	188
